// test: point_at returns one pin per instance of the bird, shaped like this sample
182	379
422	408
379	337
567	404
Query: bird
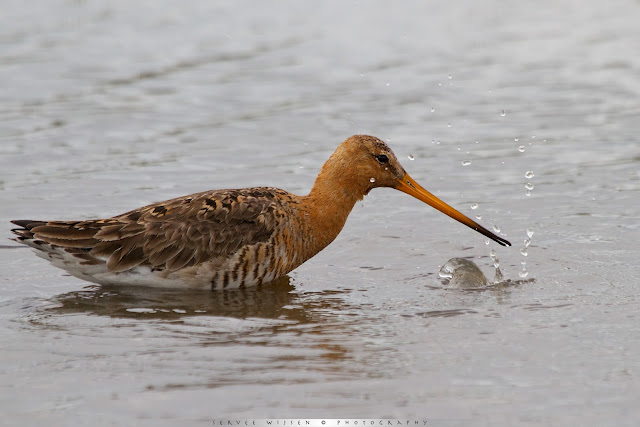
227	238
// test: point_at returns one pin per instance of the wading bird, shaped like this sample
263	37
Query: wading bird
227	238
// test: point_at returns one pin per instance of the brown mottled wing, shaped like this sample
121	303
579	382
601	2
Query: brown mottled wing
173	234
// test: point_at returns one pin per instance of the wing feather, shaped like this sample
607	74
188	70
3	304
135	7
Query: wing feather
172	234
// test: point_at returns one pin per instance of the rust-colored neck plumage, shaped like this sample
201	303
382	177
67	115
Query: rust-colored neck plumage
330	201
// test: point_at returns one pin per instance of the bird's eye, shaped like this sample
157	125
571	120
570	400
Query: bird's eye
382	158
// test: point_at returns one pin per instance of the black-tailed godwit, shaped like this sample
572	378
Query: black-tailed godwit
227	238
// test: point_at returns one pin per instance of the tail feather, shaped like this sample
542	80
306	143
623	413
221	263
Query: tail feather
27	223
25	233
58	233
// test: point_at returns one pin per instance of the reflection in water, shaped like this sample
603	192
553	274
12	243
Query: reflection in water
272	334
272	301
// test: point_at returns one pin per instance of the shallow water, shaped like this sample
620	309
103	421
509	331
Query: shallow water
108	106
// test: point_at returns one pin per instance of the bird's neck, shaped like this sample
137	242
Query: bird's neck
329	203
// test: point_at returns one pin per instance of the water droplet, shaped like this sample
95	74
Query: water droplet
372	180
521	149
533	137
515	139
523	274
466	162
492	253
496	228
527	193
524	252
476	142
411	157
474	206
479	217
523	262
388	84
450	76
444	273
527	242
433	110
487	241
503	113
530	232
386	169
448	125
529	175
529	186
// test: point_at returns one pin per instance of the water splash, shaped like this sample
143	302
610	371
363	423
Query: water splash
529	186
524	251
466	162
521	149
496	264
463	274
474	206
529	175
411	157
446	272
494	257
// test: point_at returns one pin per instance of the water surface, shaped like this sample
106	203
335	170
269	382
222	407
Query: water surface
109	106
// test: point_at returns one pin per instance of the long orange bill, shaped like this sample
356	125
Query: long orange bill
409	186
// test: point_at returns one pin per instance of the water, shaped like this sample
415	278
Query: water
108	106
460	273
465	274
